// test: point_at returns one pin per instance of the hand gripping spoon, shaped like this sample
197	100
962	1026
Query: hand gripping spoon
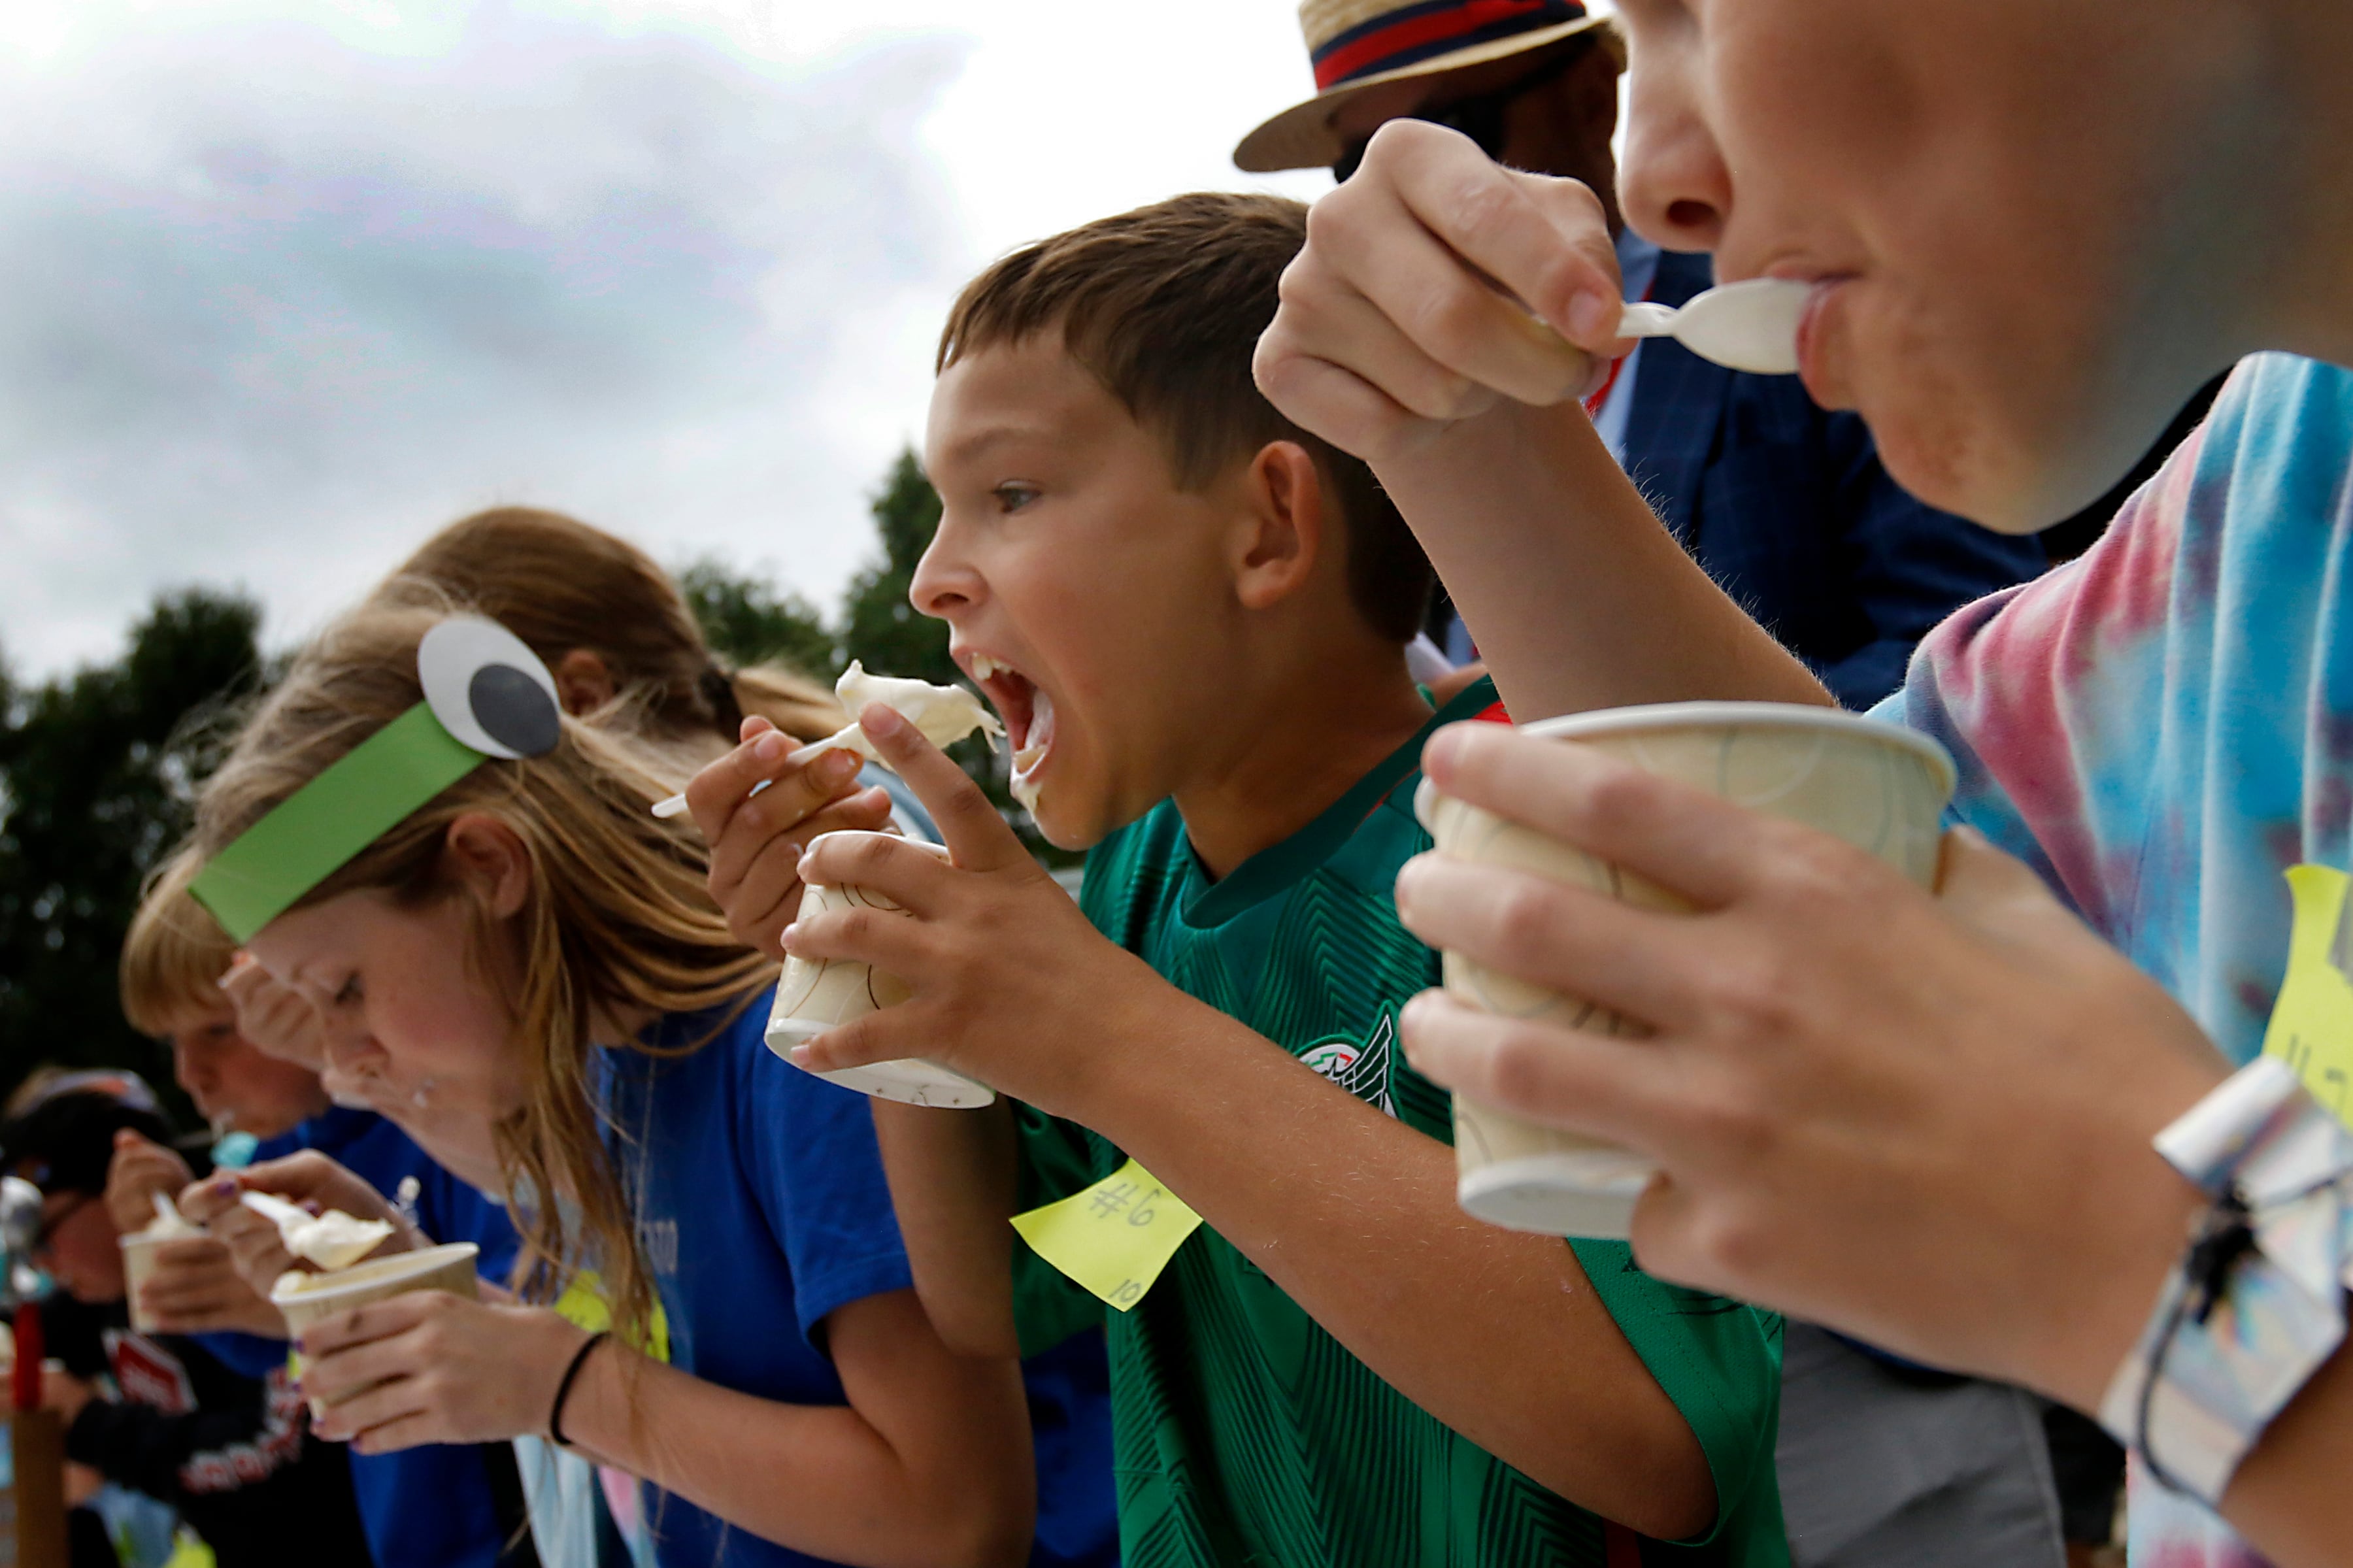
1750	326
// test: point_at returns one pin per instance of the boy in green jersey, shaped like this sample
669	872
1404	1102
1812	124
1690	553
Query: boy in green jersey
1192	617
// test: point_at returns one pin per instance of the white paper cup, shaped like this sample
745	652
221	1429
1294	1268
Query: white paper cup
448	1268
1881	788
813	996
139	1267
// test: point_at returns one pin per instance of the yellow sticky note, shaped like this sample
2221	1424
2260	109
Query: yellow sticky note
2312	1023
582	1305
1114	1239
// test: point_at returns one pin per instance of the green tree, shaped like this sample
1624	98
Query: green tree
748	621
97	777
878	626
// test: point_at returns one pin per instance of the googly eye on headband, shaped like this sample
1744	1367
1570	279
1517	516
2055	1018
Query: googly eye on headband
486	695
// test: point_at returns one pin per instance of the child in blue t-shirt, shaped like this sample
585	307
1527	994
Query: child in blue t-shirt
540	949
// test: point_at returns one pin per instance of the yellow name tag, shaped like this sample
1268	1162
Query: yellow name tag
2312	1023
1114	1239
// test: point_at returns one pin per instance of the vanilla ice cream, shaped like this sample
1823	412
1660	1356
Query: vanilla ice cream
331	1240
945	714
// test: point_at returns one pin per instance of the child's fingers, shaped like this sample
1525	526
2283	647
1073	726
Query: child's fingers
343	1335
724	792
975	834
887	1036
914	878
782	811
211	1202
351	1406
1547	240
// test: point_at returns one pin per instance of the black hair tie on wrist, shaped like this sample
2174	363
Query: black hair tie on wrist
564	1388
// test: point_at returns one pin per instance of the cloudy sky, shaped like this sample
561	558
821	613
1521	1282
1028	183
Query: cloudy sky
289	282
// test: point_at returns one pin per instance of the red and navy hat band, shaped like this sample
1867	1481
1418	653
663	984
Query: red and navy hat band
1415	32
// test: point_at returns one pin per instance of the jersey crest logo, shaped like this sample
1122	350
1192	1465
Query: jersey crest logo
1362	1069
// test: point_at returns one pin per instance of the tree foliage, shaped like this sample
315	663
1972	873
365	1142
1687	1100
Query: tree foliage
98	772
878	626
747	620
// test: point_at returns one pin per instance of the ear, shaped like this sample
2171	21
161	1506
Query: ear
1282	536
583	682
488	857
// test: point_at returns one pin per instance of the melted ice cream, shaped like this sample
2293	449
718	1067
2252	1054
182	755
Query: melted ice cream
331	1240
944	714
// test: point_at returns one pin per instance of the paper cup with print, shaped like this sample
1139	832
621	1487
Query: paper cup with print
1879	787
815	996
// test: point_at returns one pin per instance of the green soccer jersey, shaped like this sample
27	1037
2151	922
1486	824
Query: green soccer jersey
1245	1434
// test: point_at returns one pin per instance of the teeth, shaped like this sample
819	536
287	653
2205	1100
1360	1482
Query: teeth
983	667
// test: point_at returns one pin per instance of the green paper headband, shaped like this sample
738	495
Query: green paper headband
486	695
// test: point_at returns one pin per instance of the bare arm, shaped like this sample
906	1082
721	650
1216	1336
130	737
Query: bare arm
1495	1333
929	1464
951	1182
1575	594
1440	323
1498	1334
2288	1497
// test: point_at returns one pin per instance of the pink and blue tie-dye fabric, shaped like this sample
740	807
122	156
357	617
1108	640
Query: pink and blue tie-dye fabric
2165	726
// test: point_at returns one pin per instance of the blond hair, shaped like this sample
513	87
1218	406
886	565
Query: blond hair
562	585
176	953
616	924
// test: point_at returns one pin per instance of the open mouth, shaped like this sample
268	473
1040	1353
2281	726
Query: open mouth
1029	715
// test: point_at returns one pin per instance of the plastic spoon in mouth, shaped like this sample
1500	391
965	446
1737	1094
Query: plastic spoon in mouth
1750	326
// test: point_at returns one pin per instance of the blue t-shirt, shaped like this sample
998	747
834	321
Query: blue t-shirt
435	1506
760	1201
2164	728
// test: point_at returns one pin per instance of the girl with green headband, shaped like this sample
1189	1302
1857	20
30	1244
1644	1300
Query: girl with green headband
537	944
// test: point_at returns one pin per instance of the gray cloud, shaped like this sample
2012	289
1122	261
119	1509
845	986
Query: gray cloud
276	305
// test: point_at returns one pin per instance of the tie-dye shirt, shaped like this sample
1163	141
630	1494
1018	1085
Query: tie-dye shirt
2165	726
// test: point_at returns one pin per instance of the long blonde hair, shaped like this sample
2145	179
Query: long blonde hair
562	585
617	924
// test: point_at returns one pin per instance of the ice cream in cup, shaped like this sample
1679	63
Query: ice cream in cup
304	1299
1879	787
815	996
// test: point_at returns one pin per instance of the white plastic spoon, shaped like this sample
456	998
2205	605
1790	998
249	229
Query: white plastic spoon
1750	326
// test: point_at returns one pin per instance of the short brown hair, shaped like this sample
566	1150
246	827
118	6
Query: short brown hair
175	954
1164	306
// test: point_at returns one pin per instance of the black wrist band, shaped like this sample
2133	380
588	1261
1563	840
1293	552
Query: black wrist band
564	1388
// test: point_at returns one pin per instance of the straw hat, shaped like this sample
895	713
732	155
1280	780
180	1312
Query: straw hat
1361	46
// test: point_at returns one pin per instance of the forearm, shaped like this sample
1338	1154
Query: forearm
1576	597
2287	1497
1495	1333
952	1182
820	1480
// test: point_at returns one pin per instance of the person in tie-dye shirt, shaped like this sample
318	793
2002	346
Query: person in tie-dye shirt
2034	227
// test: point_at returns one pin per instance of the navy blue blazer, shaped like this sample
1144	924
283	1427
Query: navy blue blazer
1787	507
